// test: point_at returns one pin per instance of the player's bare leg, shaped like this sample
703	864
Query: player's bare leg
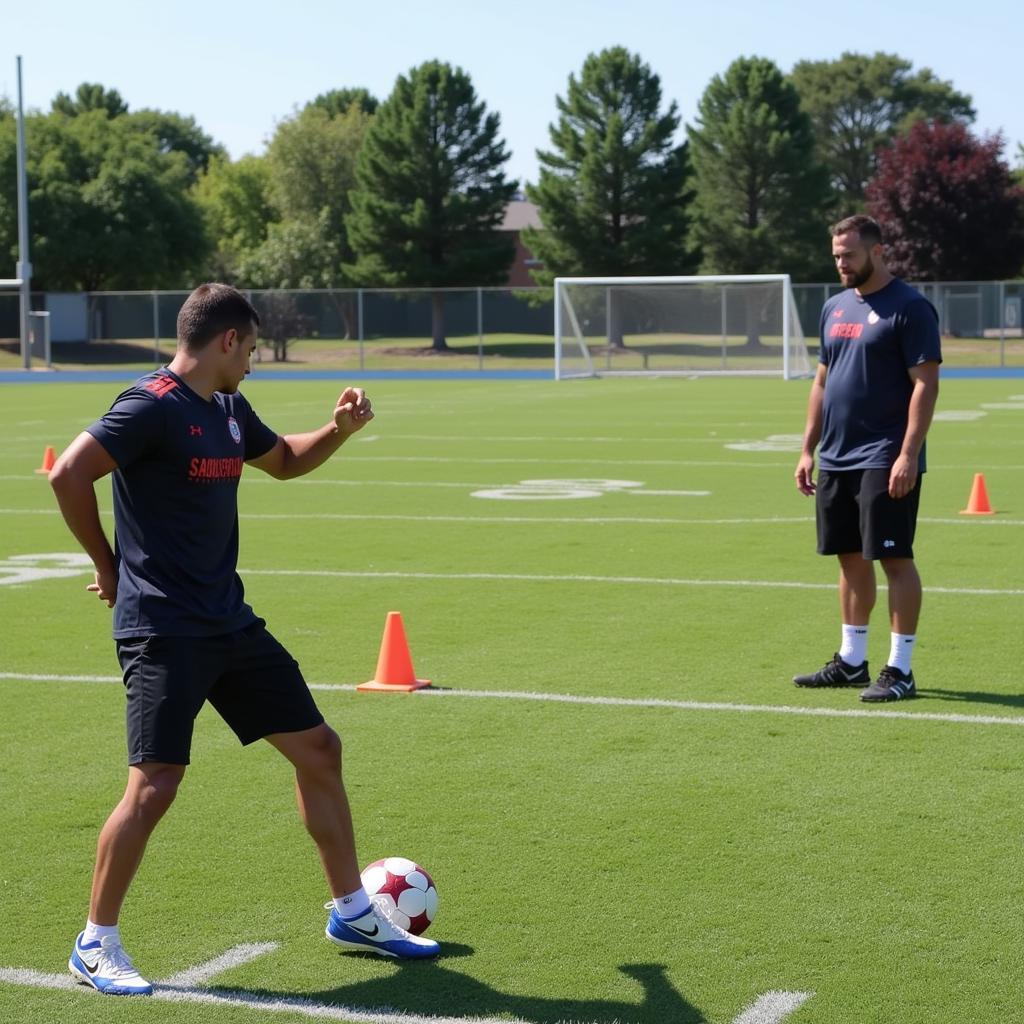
150	791
316	756
857	588
904	594
98	958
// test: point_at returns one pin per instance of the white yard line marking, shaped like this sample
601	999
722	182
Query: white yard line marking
254	1001
773	1007
234	957
770	1008
629	702
568	520
505	577
19	570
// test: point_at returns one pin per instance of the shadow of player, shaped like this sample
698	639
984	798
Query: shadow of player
428	988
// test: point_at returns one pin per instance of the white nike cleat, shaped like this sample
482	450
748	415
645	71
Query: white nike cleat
107	968
374	933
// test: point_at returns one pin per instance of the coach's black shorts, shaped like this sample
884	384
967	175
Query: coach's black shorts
253	682
855	513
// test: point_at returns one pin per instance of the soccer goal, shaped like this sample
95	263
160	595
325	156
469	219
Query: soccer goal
659	326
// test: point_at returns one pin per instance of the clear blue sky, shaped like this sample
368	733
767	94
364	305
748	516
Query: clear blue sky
239	68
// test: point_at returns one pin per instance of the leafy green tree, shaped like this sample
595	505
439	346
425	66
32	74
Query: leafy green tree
90	96
238	212
176	133
761	195
430	190
338	101
858	104
949	205
614	189
108	209
311	164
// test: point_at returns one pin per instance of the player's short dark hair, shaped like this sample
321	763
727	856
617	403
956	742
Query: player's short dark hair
868	228
213	309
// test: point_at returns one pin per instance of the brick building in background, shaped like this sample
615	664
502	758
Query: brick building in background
519	214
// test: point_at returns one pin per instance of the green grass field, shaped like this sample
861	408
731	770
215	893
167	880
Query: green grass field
723	836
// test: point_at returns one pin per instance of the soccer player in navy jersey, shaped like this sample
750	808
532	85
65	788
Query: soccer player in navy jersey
870	407
176	443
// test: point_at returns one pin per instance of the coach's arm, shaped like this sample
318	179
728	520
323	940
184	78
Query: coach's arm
812	432
903	475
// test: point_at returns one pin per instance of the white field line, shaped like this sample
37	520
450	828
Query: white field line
234	957
253	1001
773	1007
507	577
566	520
629	702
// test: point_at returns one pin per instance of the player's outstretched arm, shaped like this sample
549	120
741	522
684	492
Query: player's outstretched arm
72	478
297	454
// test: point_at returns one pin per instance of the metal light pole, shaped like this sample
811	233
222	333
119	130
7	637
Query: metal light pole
24	267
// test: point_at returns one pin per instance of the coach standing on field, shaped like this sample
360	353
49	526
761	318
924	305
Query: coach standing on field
870	407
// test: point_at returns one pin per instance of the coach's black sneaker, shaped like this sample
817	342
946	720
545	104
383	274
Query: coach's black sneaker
836	673
891	684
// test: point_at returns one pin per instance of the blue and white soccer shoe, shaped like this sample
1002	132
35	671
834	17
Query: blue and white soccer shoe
107	968
374	933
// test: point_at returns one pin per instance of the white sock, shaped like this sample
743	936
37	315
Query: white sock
98	932
900	651
355	904
854	649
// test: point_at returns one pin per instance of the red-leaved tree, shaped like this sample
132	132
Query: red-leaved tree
949	206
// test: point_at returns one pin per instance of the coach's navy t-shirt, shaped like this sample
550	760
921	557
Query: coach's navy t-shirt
179	459
868	342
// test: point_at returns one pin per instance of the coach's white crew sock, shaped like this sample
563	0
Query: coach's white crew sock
901	650
355	904
854	649
98	932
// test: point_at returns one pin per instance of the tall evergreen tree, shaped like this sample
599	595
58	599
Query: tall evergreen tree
614	192
338	101
90	96
431	190
761	195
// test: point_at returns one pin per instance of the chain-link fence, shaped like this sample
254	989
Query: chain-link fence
455	328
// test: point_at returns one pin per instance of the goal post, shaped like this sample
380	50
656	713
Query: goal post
743	324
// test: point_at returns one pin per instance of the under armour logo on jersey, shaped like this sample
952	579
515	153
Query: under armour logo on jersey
195	431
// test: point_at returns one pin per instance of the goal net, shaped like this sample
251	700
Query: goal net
740	324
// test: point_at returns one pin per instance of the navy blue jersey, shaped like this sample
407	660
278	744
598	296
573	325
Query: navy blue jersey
868	342
179	459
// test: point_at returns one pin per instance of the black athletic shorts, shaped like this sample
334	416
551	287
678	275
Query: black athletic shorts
855	513
252	681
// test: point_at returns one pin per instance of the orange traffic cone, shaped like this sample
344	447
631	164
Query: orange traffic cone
977	504
48	460
394	665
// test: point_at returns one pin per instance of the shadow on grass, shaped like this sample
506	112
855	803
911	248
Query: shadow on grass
1010	700
427	988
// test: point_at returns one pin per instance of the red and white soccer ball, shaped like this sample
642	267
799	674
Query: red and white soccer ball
403	890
